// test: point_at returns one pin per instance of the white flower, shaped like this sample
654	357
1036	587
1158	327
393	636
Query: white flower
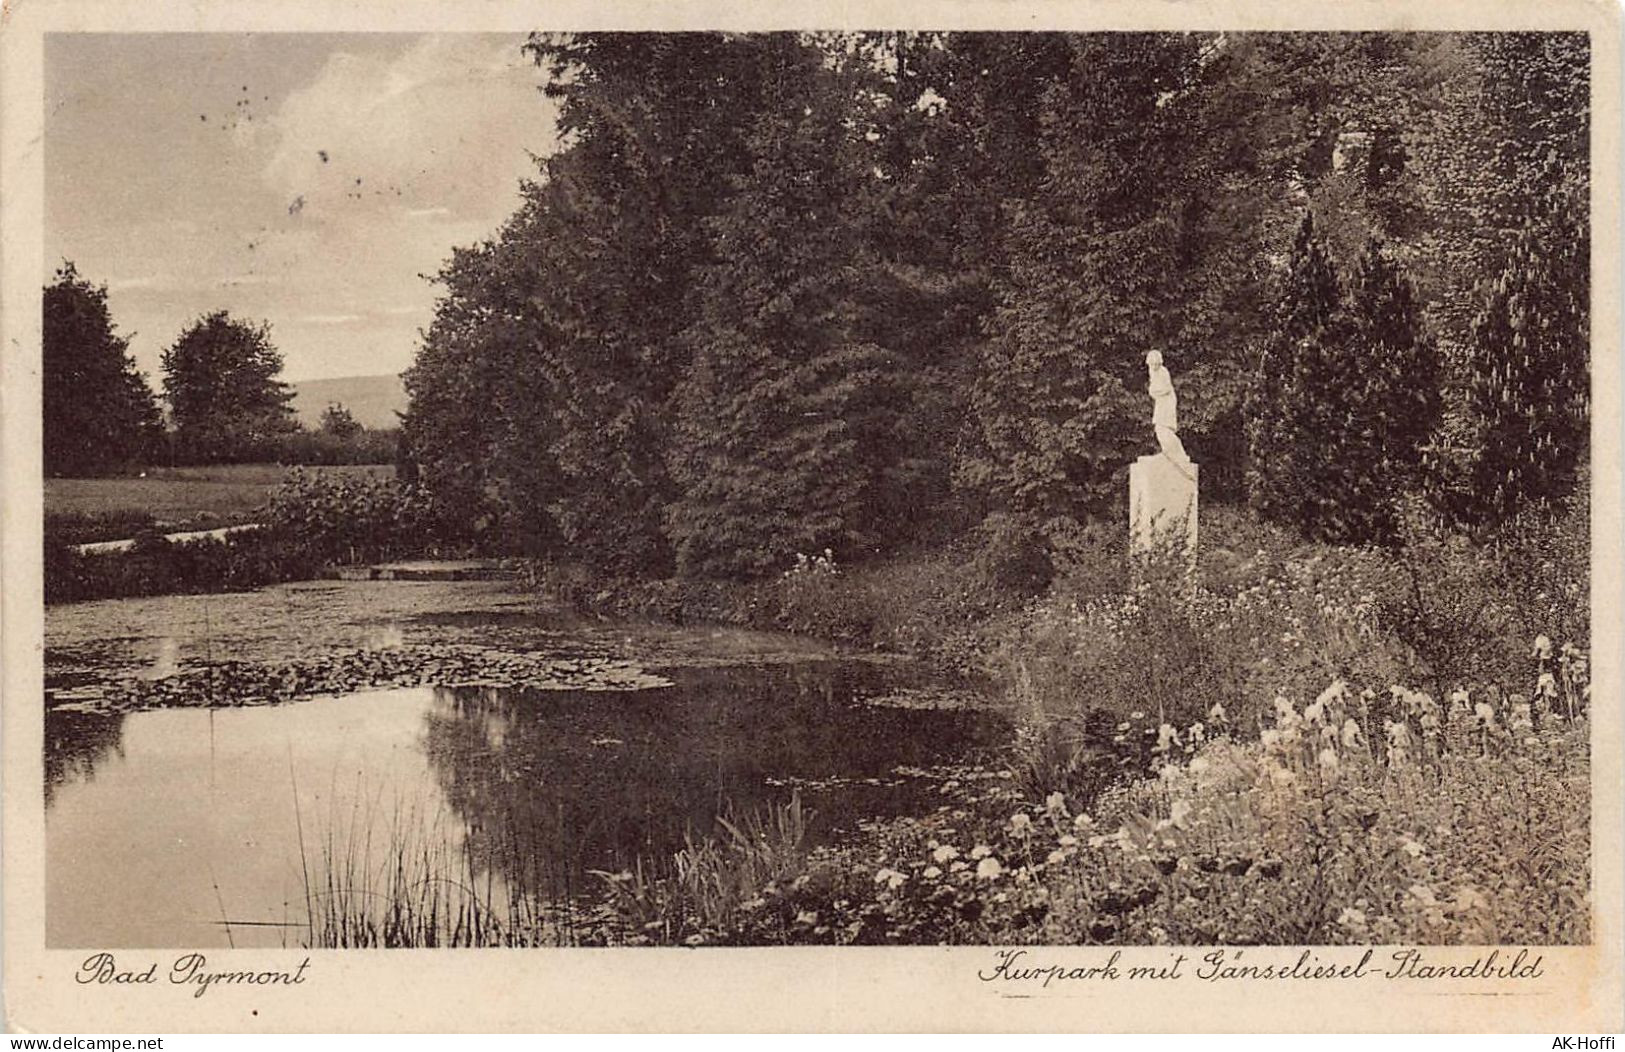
980	851
1055	804
945	853
1352	919
931	873
1083	821
1020	824
1543	648
890	877
1333	694
1424	894
988	869
1351	734
1328	759
1068	840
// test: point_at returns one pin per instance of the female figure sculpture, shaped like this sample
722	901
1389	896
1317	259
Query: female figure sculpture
1165	414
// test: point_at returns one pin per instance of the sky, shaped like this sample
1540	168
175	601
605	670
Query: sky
310	181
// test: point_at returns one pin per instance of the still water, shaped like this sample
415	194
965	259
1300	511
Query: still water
201	827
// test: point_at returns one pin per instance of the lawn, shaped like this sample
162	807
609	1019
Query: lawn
169	498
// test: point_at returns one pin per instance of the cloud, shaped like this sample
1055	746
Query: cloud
331	319
442	128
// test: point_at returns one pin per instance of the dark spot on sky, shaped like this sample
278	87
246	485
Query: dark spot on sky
358	182
203	117
297	206
323	155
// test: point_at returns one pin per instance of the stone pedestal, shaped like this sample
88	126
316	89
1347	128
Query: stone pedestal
1161	507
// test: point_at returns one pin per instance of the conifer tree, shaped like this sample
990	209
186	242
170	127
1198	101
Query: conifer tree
1529	390
1395	374
784	431
99	413
1293	368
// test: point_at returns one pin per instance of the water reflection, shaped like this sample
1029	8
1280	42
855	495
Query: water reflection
183	827
75	742
551	785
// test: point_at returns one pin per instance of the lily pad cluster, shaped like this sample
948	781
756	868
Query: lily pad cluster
239	683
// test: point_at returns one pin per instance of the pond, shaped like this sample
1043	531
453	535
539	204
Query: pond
235	826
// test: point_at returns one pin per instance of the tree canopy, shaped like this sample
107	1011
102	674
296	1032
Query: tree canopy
99	413
225	401
788	291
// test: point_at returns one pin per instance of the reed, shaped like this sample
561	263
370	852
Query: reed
401	876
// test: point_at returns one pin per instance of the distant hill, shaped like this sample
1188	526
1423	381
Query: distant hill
372	400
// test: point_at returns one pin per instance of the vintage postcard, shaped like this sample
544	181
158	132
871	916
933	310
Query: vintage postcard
929	516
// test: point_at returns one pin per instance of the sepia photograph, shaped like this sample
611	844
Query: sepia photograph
573	489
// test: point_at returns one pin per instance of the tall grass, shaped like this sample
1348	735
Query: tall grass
406	877
712	880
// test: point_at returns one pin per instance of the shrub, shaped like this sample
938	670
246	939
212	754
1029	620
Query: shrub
1461	822
1097	672
355	518
1468	609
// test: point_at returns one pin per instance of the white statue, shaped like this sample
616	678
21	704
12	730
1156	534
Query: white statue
1165	414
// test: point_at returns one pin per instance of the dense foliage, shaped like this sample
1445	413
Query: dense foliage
859	291
99	413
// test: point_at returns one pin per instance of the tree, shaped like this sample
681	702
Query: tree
225	401
1287	410
1346	398
339	422
786	434
1529	389
99	413
1100	270
1397	375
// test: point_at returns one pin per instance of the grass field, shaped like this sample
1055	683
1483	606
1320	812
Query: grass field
205	497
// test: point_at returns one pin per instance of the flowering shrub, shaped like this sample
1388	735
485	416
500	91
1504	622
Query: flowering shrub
1093	678
1357	817
1461	821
